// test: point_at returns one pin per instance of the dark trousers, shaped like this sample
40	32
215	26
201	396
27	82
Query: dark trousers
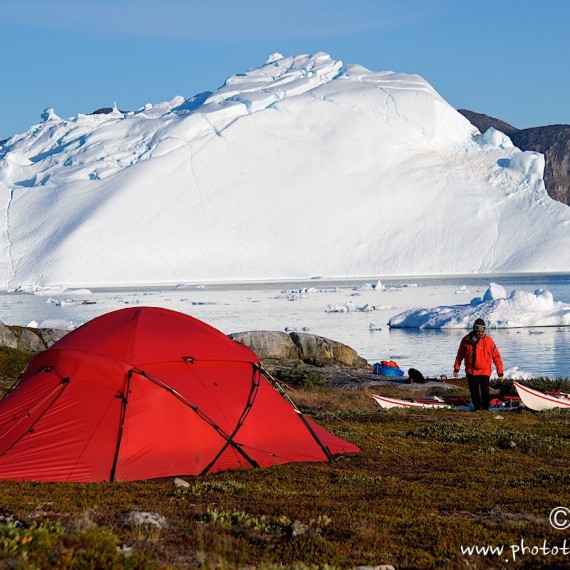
479	388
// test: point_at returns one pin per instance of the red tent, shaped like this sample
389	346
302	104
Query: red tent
146	392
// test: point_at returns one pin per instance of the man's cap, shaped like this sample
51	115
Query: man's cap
479	325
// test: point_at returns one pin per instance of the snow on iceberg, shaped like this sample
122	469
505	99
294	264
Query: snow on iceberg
519	309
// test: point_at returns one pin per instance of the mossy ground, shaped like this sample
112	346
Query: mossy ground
426	484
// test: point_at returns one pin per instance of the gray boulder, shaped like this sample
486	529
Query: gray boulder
7	337
50	336
322	351
31	339
297	348
269	344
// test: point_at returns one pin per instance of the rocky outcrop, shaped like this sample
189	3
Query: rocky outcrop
321	351
552	141
274	345
7	337
484	122
29	339
300	348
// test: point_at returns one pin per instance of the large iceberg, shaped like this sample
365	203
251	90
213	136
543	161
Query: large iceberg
301	167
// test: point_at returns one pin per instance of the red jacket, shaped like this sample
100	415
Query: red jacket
478	356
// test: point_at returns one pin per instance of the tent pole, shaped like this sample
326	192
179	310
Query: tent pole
200	413
61	387
244	414
279	388
124	398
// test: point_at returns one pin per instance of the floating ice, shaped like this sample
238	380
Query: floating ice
514	373
519	309
349	307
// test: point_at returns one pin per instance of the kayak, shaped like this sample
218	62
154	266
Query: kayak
507	403
536	400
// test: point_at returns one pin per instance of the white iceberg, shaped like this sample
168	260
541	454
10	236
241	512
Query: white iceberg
519	309
277	175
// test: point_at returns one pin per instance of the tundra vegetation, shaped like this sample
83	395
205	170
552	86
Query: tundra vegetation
427	486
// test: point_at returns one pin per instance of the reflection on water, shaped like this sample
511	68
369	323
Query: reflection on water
276	306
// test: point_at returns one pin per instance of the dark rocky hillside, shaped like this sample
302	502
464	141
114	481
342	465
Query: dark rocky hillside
553	141
484	122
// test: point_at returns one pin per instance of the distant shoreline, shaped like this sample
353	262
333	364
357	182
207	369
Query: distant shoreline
308	281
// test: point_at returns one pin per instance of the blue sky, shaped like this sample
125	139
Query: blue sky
506	58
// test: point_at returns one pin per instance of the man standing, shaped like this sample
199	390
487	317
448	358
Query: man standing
479	351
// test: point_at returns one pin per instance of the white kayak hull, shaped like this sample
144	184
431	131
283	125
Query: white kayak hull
539	401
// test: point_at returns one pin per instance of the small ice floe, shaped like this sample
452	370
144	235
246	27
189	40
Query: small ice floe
23	289
514	373
44	291
462	290
363	287
79	292
346	308
295	294
378	286
59	324
59	290
61	302
302	291
190	286
288	297
349	307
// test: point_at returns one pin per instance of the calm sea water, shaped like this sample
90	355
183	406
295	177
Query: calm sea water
279	306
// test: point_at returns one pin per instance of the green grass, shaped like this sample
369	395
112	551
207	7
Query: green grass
426	483
12	363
